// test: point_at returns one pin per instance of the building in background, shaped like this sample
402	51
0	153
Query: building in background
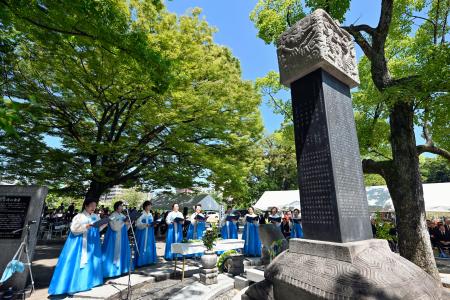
115	191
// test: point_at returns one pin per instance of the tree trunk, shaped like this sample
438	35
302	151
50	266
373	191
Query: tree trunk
405	187
96	189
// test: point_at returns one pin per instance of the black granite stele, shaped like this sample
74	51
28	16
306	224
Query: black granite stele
332	193
19	206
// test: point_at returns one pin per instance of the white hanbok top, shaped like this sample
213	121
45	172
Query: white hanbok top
193	220
252	216
116	222
275	216
148	216
224	219
78	226
172	216
140	225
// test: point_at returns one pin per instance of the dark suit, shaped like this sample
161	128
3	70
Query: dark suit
447	228
440	238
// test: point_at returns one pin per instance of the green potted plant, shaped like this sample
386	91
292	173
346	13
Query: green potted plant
209	258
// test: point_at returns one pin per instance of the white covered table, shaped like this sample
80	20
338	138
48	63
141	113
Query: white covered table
198	247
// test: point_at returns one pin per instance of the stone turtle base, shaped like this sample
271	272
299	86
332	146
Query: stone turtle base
368	269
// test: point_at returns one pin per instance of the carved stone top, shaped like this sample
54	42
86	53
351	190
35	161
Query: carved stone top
317	41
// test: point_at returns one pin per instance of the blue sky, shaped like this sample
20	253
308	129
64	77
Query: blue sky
237	32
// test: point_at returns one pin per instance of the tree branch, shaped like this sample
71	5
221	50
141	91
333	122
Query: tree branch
433	149
381	168
360	39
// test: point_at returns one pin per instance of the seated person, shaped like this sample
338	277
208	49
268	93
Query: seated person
442	239
432	228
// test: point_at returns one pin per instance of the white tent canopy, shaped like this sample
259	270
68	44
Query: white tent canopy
165	201
437	198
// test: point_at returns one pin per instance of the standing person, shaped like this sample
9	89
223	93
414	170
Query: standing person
274	217
229	229
174	233
297	230
198	224
145	254
79	266
263	219
286	224
116	247
252	246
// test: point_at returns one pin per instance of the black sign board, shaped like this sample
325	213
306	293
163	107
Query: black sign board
13	212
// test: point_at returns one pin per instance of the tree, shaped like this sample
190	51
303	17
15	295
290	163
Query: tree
50	20
277	168
142	99
132	197
435	170
403	83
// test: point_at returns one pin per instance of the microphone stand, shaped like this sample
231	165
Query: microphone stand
24	247
132	244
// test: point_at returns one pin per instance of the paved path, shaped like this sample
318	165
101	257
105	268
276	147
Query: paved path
162	287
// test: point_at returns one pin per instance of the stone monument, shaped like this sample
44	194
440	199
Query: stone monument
338	259
19	206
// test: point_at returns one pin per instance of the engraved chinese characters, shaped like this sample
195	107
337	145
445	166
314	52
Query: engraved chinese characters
13	210
315	42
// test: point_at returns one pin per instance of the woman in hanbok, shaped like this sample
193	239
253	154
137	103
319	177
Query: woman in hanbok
145	253
274	217
229	229
252	245
198	224
116	246
79	266
174	233
297	230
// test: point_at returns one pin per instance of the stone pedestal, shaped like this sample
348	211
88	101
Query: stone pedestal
360	270
236	266
208	276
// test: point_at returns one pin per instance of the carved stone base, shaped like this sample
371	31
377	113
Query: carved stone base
313	269
236	265
208	276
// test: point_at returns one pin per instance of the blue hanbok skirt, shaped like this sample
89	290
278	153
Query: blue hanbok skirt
252	246
297	231
146	255
110	269
69	277
229	230
173	236
201	227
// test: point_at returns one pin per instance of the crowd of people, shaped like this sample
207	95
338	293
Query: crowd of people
440	235
86	261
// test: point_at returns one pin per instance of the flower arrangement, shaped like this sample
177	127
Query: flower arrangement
223	257
210	236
